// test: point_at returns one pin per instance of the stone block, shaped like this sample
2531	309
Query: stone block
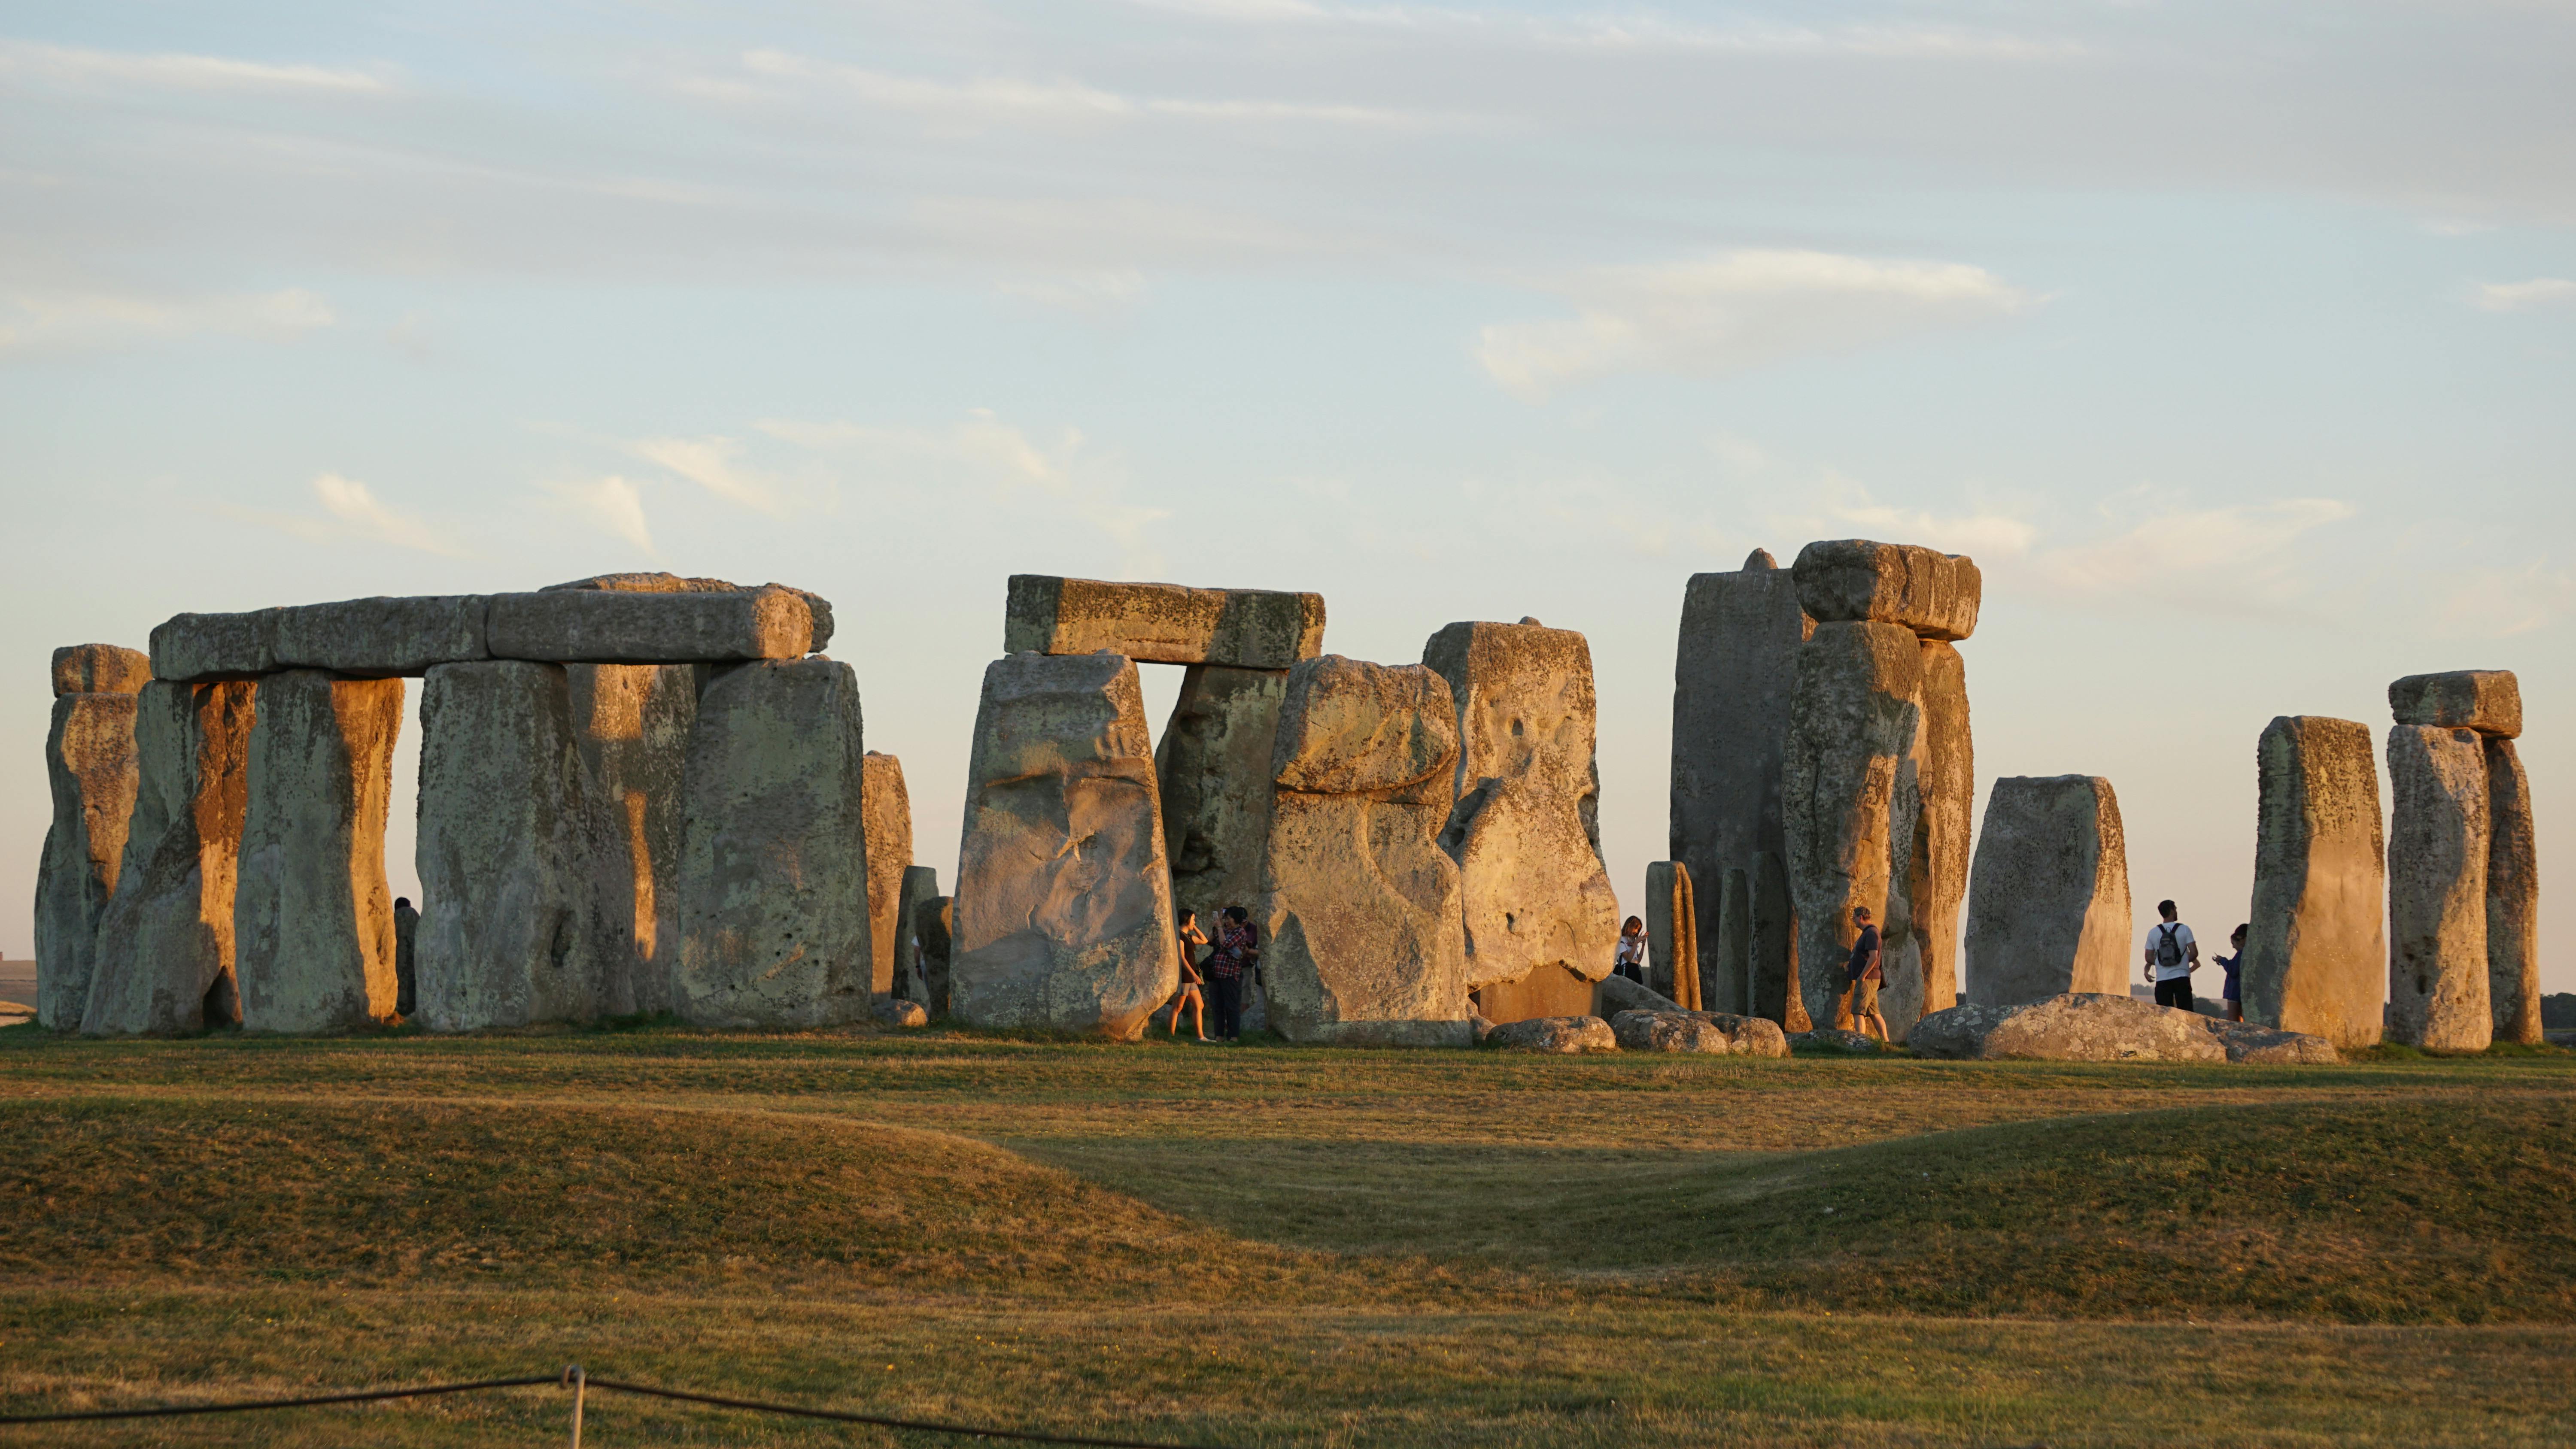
1063	918
896	1012
99	669
887	809
1773	942
382	637
920	884
2486	700
610	626
1835	1039
1714	1032
1853	729
2265	1046
2067	1027
2315	945
191	648
313	920
1348	727
1561	1035
631	725
1935	594
1161	623
91	769
2438	848
1726	972
818	607
2513	898
1948	796
1213	765
773	919
934	924
2048	913
1672	934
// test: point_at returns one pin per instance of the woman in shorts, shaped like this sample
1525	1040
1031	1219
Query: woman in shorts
1192	997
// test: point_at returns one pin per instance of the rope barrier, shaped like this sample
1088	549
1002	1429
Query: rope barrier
367	1396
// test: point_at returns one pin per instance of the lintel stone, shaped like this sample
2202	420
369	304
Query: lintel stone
1162	623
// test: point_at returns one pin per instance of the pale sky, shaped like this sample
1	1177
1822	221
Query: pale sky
2235	341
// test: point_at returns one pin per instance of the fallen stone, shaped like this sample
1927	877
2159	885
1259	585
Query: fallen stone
1853	725
1726	972
189	648
773	922
920	883
1832	1039
2437	889
1716	1032
1672	934
2049	912
165	958
99	669
2068	1027
631	724
1618	993
2316	951
1932	593
1213	767
2486	700
1161	623
608	626
897	1012
887	809
1948	794
1564	1035
1482	1029
1064	905
2513	898
91	768
2268	1046
313	920
382	637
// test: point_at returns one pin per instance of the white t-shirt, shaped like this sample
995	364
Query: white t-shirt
1632	950
2182	943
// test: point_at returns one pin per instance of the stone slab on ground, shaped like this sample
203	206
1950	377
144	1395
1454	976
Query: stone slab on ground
610	626
1834	1039
99	669
2316	947
2095	1027
1932	593
2486	700
1161	623
894	1011
2438	848
92	773
1716	1032
382	637
2048	908
1562	1035
189	648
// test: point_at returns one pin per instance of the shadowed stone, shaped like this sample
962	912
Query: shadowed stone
2067	1026
1161	623
894	1011
2315	946
1562	1035
2513	898
816	605
313	921
382	637
1835	1039
934	924
91	768
1714	1032
920	884
1213	764
1934	594
1726	973
1774	943
2486	700
2438	847
773	919
1673	960
631	724
99	669
609	626
1947	787
189	648
1853	727
2049	912
1064	907
888	811
165	945
1618	993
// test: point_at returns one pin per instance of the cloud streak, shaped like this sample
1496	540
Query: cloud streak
60	323
77	66
2525	296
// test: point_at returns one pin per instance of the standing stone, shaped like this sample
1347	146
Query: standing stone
920	883
2437	889
313	921
1726	974
1672	935
1161	623
1901	937
1064	904
1733	676
513	827
2486	700
406	959
888	811
2049	910
631	725
1949	805
90	765
1213	764
1852	727
773	918
1360	906
99	669
1934	594
2315	944
1774	942
1538	904
2513	898
934	926
165	946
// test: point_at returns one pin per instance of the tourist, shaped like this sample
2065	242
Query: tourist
2172	955
2231	993
1191	997
1865	974
406	958
1234	956
1632	951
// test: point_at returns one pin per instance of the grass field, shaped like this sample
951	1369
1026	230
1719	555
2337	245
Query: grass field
1273	1246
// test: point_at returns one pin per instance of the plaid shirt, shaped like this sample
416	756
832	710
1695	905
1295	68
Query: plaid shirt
1233	945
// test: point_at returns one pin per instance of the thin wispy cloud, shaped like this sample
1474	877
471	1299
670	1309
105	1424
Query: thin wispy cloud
2526	296
713	463
351	513
35	324
611	504
2248	552
67	65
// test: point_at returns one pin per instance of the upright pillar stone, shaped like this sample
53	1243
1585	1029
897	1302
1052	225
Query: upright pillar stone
2315	944
2048	910
91	769
934	929
2437	889
1672	935
1726	974
313	920
1852	727
1361	906
165	946
920	883
1775	976
2513	897
1064	902
888	810
631	724
1948	791
514	828
1213	765
773	921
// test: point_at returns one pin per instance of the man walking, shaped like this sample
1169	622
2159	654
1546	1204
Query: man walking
2172	955
1865	974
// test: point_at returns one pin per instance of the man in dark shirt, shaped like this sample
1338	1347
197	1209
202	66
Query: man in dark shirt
1864	974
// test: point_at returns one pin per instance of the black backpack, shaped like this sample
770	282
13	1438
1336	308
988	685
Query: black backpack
2168	951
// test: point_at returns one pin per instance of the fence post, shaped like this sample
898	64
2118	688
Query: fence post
579	1381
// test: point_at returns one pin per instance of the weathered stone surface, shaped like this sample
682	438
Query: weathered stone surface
99	669
1947	790
2269	1046
313	920
1563	1035
1834	1039
1717	1032
2315	946
1672	934
382	637
2068	1027
1934	594
165	945
2049	914
1548	991
1726	970
406	959
1213	764
1360	907
896	1012
631	724
2437	889
188	648
513	829
1162	623
773	919
1064	903
1774	945
1618	993
90	765
1853	728
2486	700
888	811
2513	898
610	626
1734	674
1901	941
816	605
933	929
912	982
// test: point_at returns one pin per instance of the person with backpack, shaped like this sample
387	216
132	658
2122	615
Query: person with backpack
2172	955
1865	973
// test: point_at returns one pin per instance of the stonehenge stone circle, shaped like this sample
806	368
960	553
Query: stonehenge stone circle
191	648
370	638
2486	700
1063	913
2315	943
1726	973
920	884
2513	898
773	918
631	726
2437	889
99	669
1361	919
1213	766
91	770
165	946
1853	725
1672	931
1715	1032
887	810
1934	594
2048	912
1161	623
313	923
